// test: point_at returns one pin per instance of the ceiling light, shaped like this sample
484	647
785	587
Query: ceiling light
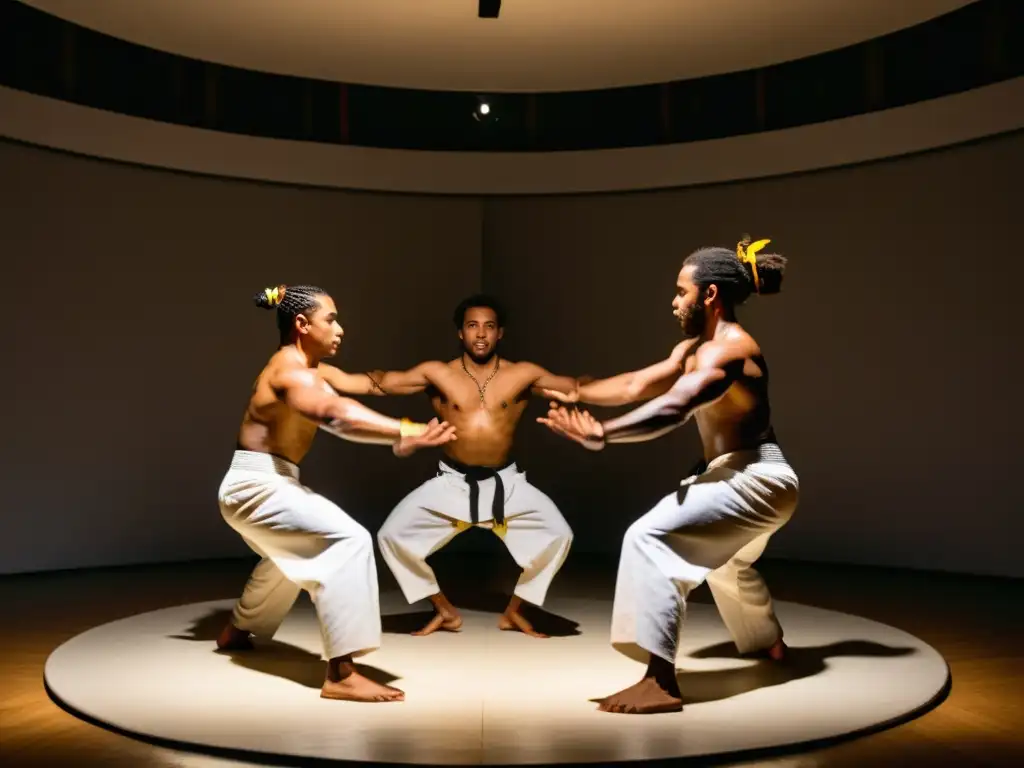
489	9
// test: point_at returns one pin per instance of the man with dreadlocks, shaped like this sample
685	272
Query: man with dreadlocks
477	482
304	540
718	522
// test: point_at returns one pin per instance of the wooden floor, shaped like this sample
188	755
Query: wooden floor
974	622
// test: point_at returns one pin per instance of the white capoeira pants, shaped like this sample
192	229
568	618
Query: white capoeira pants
305	542
537	536
713	529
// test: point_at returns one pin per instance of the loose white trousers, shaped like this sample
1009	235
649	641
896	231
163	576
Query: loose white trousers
713	529
537	536
305	542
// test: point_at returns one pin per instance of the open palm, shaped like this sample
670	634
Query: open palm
575	425
436	433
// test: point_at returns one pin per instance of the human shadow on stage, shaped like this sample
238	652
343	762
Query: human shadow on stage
272	657
543	621
701	686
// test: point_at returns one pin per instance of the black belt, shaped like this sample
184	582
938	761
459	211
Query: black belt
474	475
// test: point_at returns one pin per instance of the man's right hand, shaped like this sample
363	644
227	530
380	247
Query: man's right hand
436	433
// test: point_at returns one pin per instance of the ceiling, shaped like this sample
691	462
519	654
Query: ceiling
536	45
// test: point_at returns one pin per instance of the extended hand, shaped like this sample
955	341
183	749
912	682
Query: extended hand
436	433
576	425
567	397
563	397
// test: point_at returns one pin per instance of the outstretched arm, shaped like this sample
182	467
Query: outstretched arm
350	383
692	391
673	409
632	387
410	382
345	418
547	384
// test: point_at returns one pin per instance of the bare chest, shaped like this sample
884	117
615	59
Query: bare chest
498	398
691	358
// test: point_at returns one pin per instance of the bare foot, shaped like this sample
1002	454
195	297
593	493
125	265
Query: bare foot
447	618
647	697
447	621
778	651
231	638
355	687
514	621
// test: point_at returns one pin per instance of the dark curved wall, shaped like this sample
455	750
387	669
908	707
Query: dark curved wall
136	345
891	348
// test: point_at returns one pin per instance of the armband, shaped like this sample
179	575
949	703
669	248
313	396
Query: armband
410	428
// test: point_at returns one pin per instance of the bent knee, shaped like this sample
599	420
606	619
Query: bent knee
408	514
562	531
364	537
555	522
390	532
352	533
639	532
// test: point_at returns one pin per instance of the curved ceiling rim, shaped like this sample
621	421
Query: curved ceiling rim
584	44
948	121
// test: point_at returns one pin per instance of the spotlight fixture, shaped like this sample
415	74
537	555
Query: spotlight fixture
484	111
489	9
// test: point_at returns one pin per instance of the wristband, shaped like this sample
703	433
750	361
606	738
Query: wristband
410	428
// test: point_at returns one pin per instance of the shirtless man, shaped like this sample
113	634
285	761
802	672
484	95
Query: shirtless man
484	397
305	541
717	524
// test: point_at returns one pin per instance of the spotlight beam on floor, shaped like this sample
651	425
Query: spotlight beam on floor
482	696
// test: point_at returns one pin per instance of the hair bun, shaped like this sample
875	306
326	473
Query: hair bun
269	298
770	269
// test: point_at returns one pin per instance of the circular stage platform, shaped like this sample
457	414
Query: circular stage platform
484	696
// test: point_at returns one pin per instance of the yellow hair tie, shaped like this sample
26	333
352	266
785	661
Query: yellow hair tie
748	255
274	295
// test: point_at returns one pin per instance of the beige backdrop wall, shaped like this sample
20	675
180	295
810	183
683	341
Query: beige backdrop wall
132	343
891	349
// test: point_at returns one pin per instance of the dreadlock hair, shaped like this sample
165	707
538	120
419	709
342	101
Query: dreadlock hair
478	300
735	278
289	301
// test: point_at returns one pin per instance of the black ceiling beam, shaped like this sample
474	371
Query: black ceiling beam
489	9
